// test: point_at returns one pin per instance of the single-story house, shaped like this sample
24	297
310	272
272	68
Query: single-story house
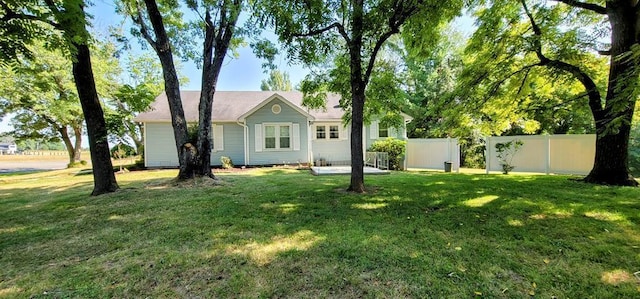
8	148
260	128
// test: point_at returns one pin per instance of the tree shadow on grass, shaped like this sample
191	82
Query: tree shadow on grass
289	234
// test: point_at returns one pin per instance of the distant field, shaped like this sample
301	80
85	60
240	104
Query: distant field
42	156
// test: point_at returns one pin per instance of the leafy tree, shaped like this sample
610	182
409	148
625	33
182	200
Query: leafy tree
430	82
144	85
161	24
537	42
50	110
63	25
277	81
351	33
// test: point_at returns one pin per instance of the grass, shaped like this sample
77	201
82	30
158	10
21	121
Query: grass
284	233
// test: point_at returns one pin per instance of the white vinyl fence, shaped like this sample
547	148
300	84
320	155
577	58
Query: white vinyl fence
433	153
565	154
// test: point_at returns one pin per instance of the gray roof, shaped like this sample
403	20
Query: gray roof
229	106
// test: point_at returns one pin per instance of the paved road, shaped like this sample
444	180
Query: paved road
7	166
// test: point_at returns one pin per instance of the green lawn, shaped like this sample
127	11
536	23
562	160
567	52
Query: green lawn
285	233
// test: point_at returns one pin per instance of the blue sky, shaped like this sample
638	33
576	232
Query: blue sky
242	74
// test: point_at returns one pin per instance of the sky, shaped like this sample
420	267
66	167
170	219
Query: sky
242	74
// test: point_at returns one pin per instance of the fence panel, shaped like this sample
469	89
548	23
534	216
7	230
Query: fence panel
572	153
432	153
567	154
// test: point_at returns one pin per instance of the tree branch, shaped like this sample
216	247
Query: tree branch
10	14
590	86
325	29
588	6
143	27
399	17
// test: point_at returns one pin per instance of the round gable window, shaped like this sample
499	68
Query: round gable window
276	109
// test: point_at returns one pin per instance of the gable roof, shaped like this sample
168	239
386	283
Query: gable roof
276	96
230	106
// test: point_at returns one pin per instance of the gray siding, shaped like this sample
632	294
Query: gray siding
161	150
233	135
286	115
160	146
332	150
395	133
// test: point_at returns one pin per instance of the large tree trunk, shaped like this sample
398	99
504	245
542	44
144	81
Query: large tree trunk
610	165
613	124
358	98
208	89
357	155
104	179
216	44
162	46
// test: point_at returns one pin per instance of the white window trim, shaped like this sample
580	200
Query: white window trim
277	148
217	140
342	132
380	129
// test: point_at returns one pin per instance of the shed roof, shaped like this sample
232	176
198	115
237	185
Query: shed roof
229	106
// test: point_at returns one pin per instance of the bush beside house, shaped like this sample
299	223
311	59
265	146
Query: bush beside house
396	149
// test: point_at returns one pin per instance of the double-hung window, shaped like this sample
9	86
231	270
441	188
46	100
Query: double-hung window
383	132
334	132
327	132
277	136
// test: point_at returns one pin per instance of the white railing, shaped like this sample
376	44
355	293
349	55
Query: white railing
378	160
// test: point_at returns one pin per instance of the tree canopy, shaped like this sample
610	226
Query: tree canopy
351	35
545	51
277	81
50	110
63	25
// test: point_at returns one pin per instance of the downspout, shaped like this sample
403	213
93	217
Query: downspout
246	142
144	136
405	162
309	144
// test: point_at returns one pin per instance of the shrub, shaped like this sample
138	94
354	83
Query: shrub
122	150
77	164
226	162
396	149
506	151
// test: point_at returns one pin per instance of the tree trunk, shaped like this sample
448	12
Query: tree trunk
77	149
64	134
138	140
208	85
610	165
613	124
162	46
357	98
357	155
216	44
104	179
